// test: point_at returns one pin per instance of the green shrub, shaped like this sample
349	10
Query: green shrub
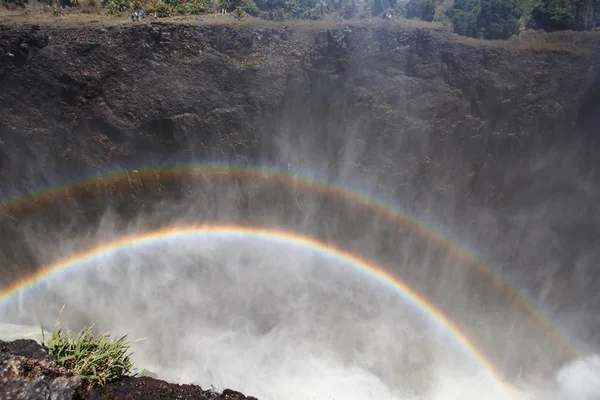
350	10
195	7
552	15
497	19
378	7
424	9
366	11
465	24
13	3
587	15
162	10
278	14
251	8
224	4
464	15
472	6
95	359
231	5
116	7
500	19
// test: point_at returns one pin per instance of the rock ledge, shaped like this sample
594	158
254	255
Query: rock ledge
27	371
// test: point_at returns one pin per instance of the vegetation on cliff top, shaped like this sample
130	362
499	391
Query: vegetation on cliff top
487	19
552	15
501	19
96	359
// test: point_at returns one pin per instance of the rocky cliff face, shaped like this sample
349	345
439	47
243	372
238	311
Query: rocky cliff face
498	142
162	92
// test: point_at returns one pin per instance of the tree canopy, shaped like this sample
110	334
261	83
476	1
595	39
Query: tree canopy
553	15
500	19
423	9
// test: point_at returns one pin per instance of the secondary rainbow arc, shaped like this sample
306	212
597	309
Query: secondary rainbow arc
38	198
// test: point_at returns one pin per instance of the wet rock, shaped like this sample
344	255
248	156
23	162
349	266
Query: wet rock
26	348
27	371
233	395
148	388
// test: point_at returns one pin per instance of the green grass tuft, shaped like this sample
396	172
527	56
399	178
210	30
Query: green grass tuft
96	359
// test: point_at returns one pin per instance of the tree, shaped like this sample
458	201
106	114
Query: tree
251	8
554	15
465	24
424	9
500	19
350	10
378	7
586	15
472	6
464	15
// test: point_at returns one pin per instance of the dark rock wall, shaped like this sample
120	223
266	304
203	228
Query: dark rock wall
135	95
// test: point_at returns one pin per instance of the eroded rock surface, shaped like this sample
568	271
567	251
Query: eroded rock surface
28	372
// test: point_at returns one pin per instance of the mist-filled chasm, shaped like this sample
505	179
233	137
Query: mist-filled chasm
270	316
295	292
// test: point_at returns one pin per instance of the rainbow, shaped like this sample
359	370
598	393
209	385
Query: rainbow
274	235
40	198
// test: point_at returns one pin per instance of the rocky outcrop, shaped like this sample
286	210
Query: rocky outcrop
148	388
28	372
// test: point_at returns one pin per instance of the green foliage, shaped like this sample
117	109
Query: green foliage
239	13
497	19
500	19
12	3
162	10
251	8
465	24
378	7
351	10
227	5
116	7
424	9
277	10
471	6
56	11
193	7
494	19
95	359
552	15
